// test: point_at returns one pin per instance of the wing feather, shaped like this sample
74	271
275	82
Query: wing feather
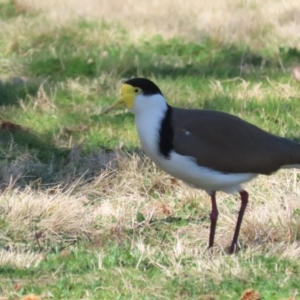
228	144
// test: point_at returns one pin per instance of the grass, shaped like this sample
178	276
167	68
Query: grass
83	213
146	280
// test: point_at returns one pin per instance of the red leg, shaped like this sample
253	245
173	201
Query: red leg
244	198
213	219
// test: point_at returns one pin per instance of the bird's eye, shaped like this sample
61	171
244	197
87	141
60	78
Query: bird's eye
136	90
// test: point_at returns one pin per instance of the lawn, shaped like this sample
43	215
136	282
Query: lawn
83	213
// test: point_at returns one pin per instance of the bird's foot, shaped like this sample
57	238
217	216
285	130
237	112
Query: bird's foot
232	249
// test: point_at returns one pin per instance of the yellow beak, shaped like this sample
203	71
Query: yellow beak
127	97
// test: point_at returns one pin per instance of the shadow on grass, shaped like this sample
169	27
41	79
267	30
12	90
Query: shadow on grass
164	58
12	91
27	157
65	56
171	58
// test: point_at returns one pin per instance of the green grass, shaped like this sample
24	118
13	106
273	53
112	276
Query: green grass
90	273
56	82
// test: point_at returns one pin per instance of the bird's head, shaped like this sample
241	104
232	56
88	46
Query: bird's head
139	94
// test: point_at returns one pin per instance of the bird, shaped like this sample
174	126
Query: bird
206	149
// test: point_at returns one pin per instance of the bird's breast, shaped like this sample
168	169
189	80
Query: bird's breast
148	127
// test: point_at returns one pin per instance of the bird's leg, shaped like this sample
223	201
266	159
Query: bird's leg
213	219
244	198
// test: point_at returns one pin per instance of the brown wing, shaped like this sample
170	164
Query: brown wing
228	144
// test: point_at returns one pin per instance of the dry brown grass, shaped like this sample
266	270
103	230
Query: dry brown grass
255	23
110	203
244	90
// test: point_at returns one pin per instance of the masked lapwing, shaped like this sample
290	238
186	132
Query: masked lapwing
208	150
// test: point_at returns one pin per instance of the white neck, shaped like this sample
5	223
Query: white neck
149	112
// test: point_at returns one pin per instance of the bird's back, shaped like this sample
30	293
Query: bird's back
230	145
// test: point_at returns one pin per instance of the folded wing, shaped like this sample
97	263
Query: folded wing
228	144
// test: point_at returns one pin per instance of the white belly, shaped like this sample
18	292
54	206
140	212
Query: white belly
186	169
